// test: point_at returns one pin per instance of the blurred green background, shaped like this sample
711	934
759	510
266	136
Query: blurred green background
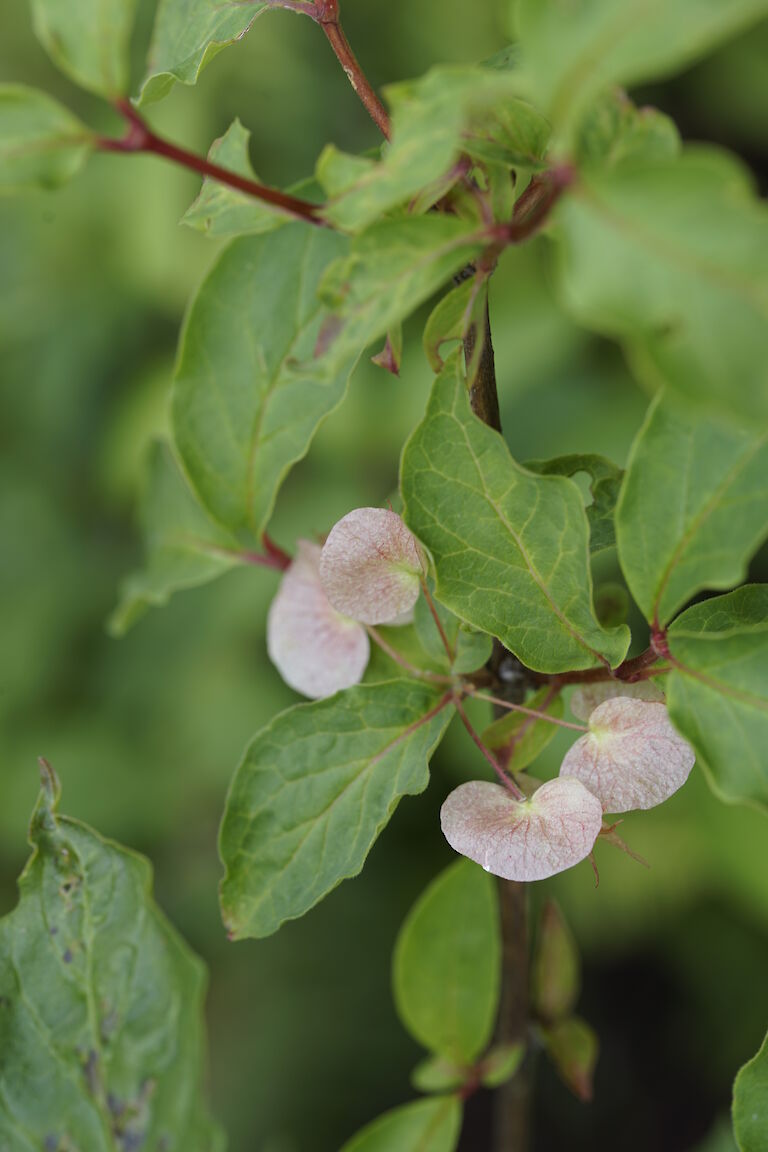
146	732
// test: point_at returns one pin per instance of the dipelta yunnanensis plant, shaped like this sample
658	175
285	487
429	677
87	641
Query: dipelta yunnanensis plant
476	586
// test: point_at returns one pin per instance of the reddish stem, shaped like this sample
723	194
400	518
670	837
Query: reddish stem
140	138
640	667
421	673
438	622
329	20
533	712
506	780
535	204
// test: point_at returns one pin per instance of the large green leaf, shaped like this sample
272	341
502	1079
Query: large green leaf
671	257
184	547
313	792
451	110
693	507
101	1026
447	963
391	269
220	210
717	691
41	144
248	395
510	548
605	481
571	49
424	1126
89	40
187	36
750	1103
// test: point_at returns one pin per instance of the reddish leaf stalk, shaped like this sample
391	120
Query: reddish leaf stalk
504	779
328	18
140	138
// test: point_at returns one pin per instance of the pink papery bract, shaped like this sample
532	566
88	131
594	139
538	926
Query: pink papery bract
522	840
316	650
371	566
631	757
587	697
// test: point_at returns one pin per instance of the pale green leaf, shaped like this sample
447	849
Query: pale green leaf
446	968
89	40
186	37
248	396
750	1103
556	970
184	547
471	649
604	488
518	738
101	1023
510	548
391	269
452	110
693	507
220	210
717	691
41	144
313	792
572	49
424	1126
573	1046
449	320
671	258
501	1064
614	131
436	1074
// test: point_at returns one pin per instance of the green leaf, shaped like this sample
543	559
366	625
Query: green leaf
572	49
556	972
449	320
446	969
717	691
248	396
611	604
615	131
450	111
573	1047
391	269
510	548
41	144
436	1074
314	791
101	1021
693	507
604	489
750	1103
671	258
501	1064
471	649
186	37
89	40
223	211
520	738
424	1126
184	547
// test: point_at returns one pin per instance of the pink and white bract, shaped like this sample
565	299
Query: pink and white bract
371	566
522	839
316	650
587	697
631	757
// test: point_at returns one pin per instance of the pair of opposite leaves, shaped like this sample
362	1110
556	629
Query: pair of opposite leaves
369	571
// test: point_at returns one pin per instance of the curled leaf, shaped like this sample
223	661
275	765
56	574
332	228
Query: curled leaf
316	650
371	566
631	757
587	697
522	840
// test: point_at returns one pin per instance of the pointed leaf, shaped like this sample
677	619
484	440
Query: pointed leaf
556	970
717	691
573	1049
100	1003
750	1103
244	406
517	738
631	757
604	488
314	791
316	650
572	50
527	839
693	507
184	547
447	964
671	258
510	549
424	1126
501	1064
89	40
41	144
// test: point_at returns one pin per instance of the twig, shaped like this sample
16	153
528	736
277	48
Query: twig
527	711
327	16
504	778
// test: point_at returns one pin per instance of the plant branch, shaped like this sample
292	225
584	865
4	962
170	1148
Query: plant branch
139	137
641	667
504	778
533	712
327	16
